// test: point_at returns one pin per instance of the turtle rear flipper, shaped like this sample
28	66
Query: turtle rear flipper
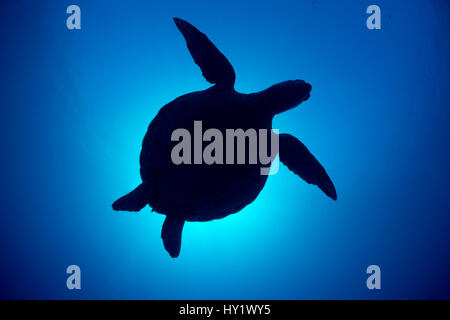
298	159
171	235
134	201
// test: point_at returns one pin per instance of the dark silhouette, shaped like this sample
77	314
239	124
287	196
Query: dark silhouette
202	192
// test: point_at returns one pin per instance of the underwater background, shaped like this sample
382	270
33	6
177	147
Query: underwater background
75	105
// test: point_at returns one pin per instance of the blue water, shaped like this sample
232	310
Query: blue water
75	106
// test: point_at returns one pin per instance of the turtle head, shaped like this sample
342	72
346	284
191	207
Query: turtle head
286	95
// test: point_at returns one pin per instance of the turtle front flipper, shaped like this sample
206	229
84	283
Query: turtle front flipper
171	235
298	159
214	65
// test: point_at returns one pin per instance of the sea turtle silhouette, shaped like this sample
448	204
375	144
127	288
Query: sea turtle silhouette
203	192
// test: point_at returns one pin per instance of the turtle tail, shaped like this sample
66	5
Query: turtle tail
134	201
